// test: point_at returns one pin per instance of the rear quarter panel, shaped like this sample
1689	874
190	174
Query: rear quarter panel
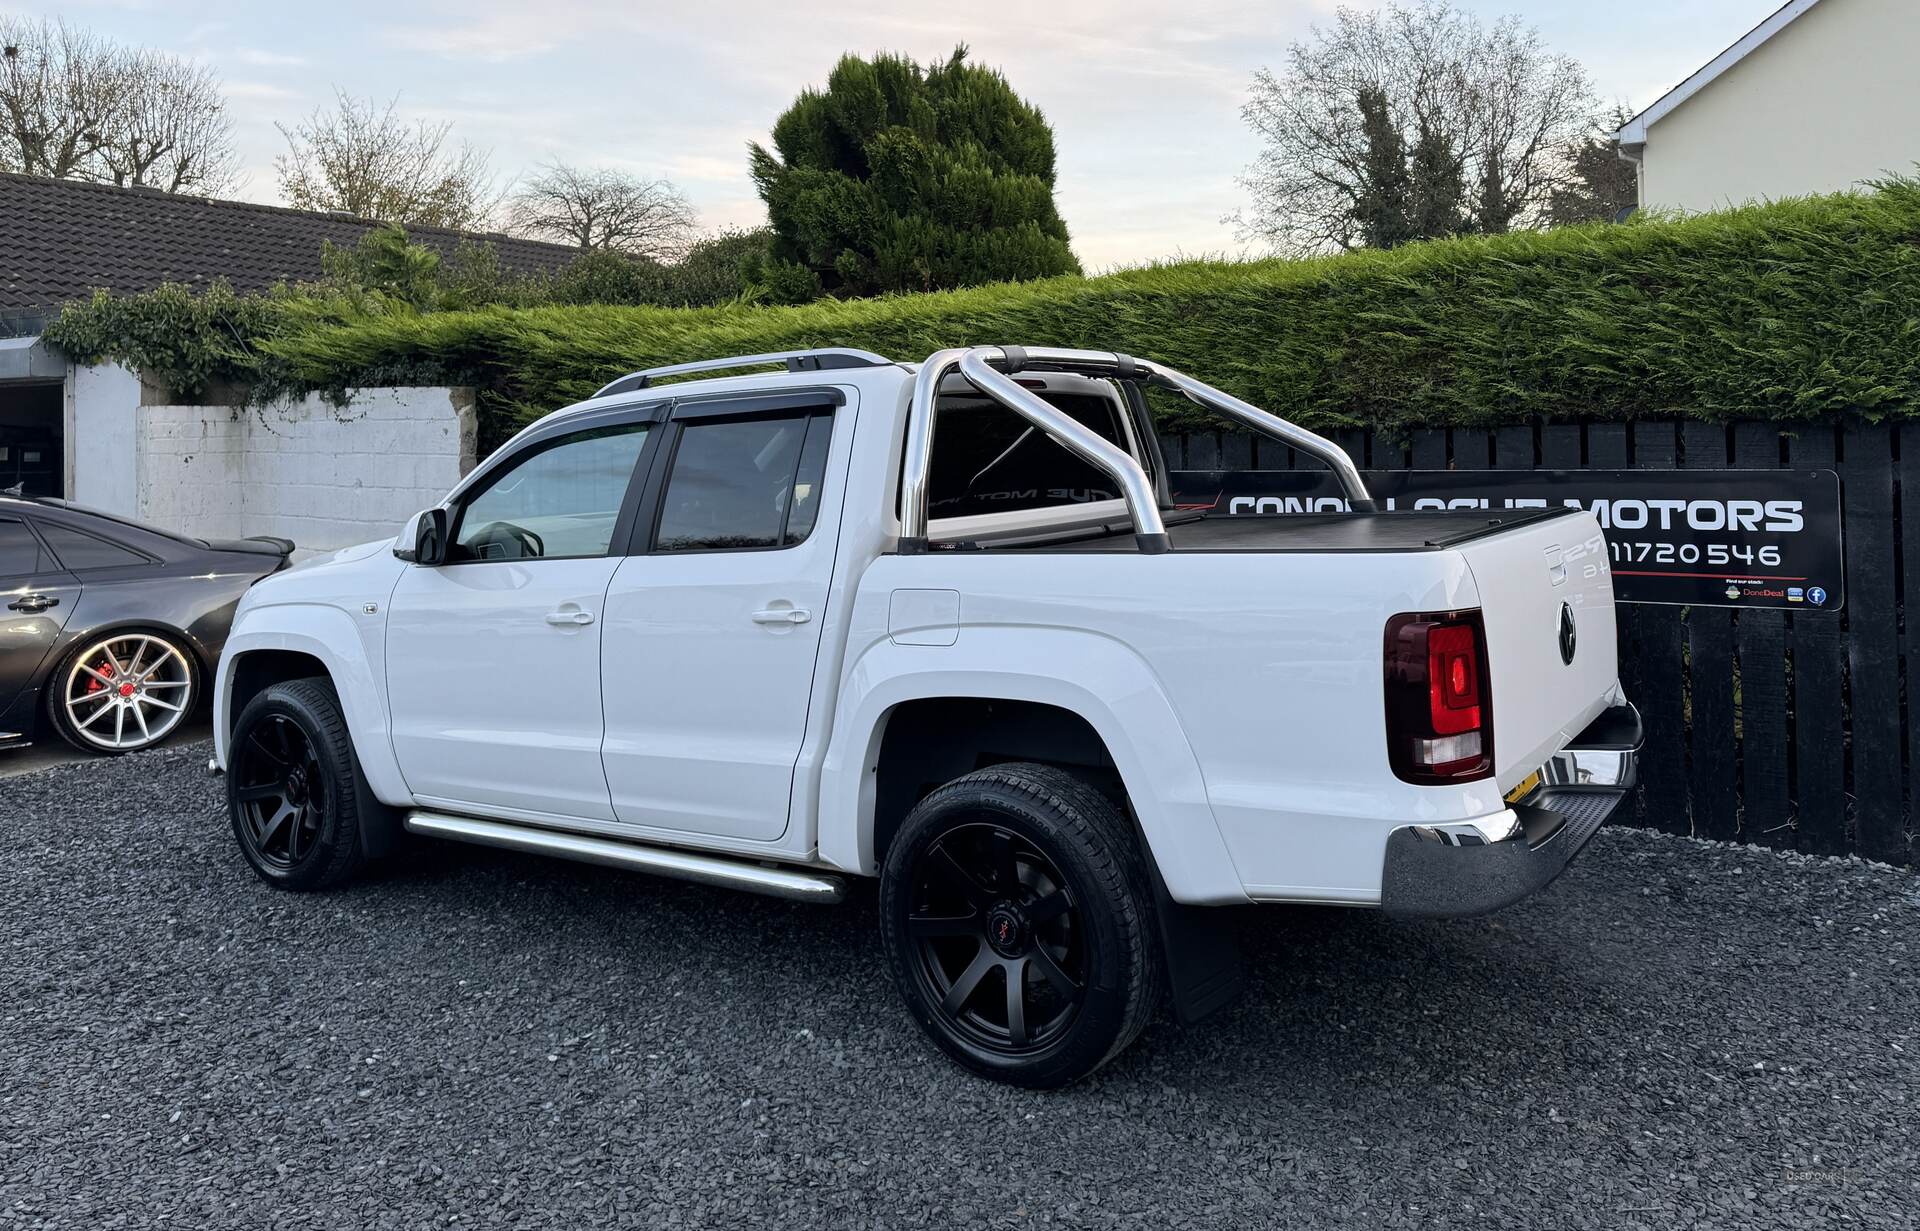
1269	668
196	598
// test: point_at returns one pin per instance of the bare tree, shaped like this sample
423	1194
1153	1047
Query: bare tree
366	160
1492	98
76	106
62	90
599	209
174	132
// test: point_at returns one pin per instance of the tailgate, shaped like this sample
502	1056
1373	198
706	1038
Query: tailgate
1537	581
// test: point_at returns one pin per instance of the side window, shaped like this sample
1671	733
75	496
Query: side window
558	501
988	459
80	551
19	550
745	483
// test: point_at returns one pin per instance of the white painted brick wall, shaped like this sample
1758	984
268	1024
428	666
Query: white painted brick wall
322	475
103	401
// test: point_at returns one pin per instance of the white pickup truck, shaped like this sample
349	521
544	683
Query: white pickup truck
940	624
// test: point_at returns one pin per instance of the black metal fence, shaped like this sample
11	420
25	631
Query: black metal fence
1788	729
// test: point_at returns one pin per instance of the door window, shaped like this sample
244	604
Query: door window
745	483
19	550
560	500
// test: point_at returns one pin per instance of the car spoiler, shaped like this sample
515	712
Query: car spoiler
254	545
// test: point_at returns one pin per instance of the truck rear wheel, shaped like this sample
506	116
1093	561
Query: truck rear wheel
1017	917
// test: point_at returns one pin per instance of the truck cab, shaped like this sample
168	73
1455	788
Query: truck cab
940	624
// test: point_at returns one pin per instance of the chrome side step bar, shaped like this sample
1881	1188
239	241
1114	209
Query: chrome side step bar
793	883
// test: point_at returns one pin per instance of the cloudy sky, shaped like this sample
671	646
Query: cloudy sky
1144	97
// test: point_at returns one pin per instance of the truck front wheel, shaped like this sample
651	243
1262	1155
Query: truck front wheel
1017	916
295	793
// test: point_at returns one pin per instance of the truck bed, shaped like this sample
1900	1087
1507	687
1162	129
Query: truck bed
1316	532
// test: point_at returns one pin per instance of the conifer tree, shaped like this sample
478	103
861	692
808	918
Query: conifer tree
903	178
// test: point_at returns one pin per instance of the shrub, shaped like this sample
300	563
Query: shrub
187	340
1802	310
715	270
903	178
1796	310
386	263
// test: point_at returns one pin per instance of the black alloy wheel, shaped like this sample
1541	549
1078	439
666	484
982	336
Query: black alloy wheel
295	792
997	937
280	792
1017	914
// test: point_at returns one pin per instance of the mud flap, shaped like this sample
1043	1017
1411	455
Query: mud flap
1202	947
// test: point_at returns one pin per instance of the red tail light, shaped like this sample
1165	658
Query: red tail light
1439	708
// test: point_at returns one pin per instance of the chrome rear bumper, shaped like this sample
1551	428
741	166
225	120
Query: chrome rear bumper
1605	756
1473	867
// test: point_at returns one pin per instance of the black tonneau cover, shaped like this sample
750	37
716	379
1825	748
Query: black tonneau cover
1395	531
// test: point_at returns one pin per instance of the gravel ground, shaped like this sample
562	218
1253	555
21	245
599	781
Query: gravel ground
1677	1034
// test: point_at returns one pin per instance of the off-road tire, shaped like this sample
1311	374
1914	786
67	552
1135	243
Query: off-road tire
335	850
1065	828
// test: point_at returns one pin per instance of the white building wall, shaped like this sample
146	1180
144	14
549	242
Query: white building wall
322	475
1829	101
103	404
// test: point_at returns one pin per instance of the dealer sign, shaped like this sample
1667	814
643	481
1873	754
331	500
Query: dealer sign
1725	538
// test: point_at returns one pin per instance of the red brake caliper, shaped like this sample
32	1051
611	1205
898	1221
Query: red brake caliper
106	669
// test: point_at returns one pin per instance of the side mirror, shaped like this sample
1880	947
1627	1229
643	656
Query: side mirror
424	540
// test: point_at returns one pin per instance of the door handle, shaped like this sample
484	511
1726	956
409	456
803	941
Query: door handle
566	618
33	604
782	615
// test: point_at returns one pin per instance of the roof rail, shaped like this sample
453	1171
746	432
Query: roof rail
817	360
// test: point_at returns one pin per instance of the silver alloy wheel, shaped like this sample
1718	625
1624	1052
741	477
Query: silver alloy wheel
127	692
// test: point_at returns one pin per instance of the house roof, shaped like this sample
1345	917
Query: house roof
1634	132
60	239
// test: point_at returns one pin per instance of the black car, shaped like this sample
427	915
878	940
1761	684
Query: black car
110	630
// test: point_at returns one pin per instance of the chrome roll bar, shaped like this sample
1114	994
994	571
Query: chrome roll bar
990	369
1143	502
1268	424
913	473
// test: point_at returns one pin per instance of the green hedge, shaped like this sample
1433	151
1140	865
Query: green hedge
1800	310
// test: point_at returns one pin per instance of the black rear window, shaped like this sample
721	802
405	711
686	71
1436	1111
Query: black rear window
79	551
134	529
988	459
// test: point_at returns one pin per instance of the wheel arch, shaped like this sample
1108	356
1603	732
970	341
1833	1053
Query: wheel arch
1014	704
255	671
269	645
929	741
72	641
